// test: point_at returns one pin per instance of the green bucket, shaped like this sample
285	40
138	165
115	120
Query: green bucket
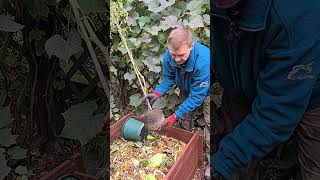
133	129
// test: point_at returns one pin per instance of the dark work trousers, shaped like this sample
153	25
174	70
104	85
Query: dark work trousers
296	159
187	122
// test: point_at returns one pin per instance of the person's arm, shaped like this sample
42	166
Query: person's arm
168	77
284	88
198	91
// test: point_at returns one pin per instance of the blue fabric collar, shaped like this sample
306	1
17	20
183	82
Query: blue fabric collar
190	61
252	16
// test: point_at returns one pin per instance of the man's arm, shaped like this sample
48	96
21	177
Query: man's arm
198	91
284	88
168	76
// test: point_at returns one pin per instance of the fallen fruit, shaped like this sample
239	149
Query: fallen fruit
150	177
156	160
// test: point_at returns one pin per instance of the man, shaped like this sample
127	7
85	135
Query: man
186	63
266	54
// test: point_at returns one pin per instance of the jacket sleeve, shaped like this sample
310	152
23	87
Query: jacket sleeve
198	91
284	88
168	77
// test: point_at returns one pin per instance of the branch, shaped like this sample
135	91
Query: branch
76	8
96	40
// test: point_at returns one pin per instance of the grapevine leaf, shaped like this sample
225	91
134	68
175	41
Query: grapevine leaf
135	100
81	124
195	23
21	170
8	25
152	64
5	116
143	20
130	76
4	169
63	49
17	152
92	5
6	139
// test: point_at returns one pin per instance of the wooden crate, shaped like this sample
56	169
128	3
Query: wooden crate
191	157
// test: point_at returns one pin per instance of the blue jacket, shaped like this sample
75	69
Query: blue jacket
272	61
193	78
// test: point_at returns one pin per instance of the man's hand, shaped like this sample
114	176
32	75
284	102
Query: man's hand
152	97
170	120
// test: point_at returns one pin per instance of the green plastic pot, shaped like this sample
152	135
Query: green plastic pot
133	129
69	177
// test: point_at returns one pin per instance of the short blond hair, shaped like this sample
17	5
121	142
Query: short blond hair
179	37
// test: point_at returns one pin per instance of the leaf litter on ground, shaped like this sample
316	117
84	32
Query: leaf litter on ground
151	159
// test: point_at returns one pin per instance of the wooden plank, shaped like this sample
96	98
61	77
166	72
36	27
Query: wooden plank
187	164
176	133
67	167
83	176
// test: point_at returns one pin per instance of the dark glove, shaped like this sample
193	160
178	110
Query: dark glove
152	97
170	120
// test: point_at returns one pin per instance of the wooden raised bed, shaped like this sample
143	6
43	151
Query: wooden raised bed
191	157
72	166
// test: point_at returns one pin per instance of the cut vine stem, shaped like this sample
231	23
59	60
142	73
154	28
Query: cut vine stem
135	68
76	8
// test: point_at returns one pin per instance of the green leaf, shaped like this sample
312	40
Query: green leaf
132	20
10	60
170	22
152	64
160	103
8	25
153	30
143	20
36	35
4	169
23	177
156	6
81	124
5	117
51	2
130	76
63	49
195	5
206	19
6	139
135	100
21	170
92	6
195	23
37	8
17	152
136	42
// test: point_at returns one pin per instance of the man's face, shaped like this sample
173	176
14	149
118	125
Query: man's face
182	54
225	3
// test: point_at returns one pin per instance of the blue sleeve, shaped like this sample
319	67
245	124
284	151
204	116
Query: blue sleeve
168	77
284	88
198	91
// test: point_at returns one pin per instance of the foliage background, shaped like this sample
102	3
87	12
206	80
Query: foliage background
51	103
146	25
